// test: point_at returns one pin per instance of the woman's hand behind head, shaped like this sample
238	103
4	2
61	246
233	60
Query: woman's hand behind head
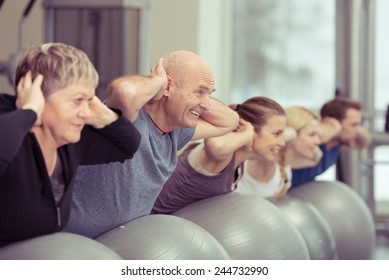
30	95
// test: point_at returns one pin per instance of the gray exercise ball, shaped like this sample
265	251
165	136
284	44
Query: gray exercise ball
348	216
313	227
163	237
249	227
58	246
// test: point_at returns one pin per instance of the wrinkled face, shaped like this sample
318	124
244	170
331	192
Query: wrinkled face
66	111
270	140
192	97
307	140
350	125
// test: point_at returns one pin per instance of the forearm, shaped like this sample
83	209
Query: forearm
362	140
329	129
106	118
131	93
117	141
217	121
222	147
304	162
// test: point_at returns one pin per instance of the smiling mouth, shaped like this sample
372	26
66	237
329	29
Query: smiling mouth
195	113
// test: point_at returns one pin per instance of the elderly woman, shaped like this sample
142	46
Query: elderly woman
54	123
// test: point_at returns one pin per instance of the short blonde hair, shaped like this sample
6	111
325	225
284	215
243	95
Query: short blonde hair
60	64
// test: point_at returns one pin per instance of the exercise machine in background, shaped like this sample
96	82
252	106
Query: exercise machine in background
9	68
112	33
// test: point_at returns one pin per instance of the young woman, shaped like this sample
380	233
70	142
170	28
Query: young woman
273	178
54	123
214	166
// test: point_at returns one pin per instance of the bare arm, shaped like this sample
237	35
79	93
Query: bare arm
329	128
303	162
131	93
101	115
218	151
217	121
362	140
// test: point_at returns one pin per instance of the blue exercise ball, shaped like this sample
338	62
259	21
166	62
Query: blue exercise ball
346	213
249	227
313	227
163	237
58	246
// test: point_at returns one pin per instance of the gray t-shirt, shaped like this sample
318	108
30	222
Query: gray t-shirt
109	195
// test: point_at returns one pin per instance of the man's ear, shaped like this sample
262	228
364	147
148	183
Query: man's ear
170	81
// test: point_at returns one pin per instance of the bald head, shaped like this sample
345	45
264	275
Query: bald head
180	64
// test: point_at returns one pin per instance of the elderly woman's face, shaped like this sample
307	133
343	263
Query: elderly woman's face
66	111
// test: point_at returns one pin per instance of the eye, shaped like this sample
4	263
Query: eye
78	101
202	91
277	134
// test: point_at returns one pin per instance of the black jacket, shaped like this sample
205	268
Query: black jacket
27	205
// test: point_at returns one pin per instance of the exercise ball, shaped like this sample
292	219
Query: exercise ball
347	215
58	246
313	227
249	227
163	237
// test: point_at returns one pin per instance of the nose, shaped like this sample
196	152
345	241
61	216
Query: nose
205	104
85	111
282	143
317	139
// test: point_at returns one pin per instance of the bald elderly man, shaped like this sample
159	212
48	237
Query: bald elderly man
169	108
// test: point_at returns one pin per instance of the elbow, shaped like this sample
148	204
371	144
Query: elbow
232	123
214	147
119	92
136	144
132	145
235	121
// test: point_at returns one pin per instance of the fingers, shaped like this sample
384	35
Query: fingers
38	80
24	82
20	85
159	65
27	80
160	62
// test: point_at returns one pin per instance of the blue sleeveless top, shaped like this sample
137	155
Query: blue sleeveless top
301	176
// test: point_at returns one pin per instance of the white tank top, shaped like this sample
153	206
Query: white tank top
248	185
